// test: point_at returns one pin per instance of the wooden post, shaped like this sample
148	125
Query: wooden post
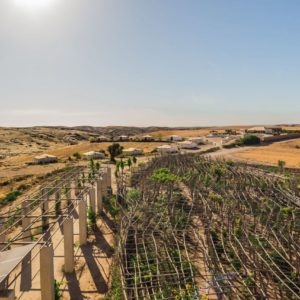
68	245
92	196
26	222
82	223
99	196
47	273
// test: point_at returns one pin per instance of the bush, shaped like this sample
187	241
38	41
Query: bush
249	139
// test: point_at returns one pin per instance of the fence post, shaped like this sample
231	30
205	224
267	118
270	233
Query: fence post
68	245
82	223
47	273
26	222
99	196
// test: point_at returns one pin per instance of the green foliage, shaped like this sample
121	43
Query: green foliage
281	165
133	195
111	205
114	150
77	155
134	160
249	139
12	196
129	162
164	175
57	291
92	217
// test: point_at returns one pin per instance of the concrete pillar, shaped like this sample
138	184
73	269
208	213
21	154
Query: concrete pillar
57	202
44	208
99	196
47	273
2	236
82	223
109	177
26	222
7	295
68	245
69	194
104	184
92	196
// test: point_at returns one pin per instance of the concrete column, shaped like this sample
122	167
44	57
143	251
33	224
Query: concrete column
69	194
109	177
104	184
82	223
47	273
2	236
99	196
57	202
26	222
92	196
7	295
68	245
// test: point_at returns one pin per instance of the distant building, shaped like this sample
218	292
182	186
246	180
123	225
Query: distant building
167	149
123	138
187	145
93	155
132	151
265	130
147	138
197	140
45	159
174	138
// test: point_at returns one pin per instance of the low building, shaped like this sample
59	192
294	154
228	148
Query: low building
273	130
123	138
132	152
198	140
187	145
174	138
147	138
257	129
167	149
45	159
93	155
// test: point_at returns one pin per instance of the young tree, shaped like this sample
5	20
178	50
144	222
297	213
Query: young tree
114	150
134	160
281	165
129	163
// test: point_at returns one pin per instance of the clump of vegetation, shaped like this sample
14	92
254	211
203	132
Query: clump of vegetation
111	205
57	291
77	155
10	197
114	150
164	175
249	139
281	165
92	218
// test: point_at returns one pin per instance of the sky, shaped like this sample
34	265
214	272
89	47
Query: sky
149	62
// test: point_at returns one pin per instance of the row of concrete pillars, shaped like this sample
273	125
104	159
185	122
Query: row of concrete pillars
95	196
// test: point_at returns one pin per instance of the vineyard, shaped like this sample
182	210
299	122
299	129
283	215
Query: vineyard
193	228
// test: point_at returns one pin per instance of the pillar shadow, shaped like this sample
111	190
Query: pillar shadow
109	222
26	273
102	243
73	286
98	278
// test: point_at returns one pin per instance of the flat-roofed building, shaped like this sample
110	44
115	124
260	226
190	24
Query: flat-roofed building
45	159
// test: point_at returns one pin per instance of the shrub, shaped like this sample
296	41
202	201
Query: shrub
249	139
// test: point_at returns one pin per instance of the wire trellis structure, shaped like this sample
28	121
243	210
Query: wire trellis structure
211	229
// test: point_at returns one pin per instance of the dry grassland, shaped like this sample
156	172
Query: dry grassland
288	151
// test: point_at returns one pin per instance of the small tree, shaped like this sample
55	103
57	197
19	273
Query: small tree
114	150
281	165
134	160
129	162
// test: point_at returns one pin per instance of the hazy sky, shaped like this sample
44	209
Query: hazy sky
149	62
